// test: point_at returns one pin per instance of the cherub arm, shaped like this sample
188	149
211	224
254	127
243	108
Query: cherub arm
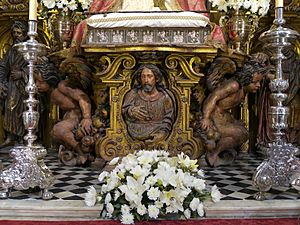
83	102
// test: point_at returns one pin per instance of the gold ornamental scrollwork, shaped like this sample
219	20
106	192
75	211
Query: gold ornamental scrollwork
116	76
187	66
185	77
110	66
9	5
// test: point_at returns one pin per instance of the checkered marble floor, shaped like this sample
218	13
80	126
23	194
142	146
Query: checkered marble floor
234	182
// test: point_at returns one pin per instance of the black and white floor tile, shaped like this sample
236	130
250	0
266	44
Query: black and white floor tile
234	182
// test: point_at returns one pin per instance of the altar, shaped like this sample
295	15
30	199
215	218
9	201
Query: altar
120	46
179	43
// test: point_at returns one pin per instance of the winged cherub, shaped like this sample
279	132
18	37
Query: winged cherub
222	133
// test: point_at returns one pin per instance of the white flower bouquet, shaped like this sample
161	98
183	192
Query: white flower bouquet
259	7
65	5
149	185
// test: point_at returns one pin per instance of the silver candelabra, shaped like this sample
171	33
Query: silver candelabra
282	167
28	169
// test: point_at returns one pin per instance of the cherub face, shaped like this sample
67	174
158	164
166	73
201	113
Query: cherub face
40	83
255	84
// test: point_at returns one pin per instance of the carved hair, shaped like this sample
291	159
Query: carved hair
254	65
83	70
20	24
49	72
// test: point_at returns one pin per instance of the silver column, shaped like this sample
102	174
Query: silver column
28	169
281	168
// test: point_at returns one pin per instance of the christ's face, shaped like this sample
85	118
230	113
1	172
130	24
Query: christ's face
148	80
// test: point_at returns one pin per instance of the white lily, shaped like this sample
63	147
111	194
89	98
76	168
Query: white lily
129	161
187	213
102	176
194	204
50	4
150	183
199	184
133	190
200	210
114	161
110	208
200	173
165	174
139	171
259	7
107	198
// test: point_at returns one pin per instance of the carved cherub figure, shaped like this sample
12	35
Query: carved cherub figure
74	131
222	133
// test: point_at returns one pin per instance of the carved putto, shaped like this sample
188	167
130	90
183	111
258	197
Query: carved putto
222	134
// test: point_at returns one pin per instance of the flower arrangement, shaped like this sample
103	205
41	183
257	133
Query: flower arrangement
259	7
150	185
74	6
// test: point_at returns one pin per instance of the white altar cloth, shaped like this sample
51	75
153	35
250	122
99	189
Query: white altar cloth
145	19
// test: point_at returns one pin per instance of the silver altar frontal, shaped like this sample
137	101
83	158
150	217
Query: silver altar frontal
144	28
281	167
28	169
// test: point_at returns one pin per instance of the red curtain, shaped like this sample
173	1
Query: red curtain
192	5
101	5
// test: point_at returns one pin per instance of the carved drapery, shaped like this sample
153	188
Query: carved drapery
11	10
292	18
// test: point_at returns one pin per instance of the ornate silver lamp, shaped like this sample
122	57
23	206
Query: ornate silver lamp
28	169
281	168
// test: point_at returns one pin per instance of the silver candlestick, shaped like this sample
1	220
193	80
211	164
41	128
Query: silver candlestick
28	169
281	168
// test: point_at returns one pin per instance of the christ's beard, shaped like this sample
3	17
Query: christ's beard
148	88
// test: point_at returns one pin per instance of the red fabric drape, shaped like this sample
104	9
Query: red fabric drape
192	5
101	5
81	29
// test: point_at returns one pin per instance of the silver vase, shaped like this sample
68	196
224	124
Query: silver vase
62	27
237	28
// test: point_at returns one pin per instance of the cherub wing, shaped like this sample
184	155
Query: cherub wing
217	70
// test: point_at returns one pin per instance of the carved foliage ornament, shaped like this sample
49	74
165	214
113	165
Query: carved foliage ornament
182	77
8	5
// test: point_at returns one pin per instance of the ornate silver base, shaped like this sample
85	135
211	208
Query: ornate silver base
28	170
282	168
4	193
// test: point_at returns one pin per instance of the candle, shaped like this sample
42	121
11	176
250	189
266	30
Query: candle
32	9
278	3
